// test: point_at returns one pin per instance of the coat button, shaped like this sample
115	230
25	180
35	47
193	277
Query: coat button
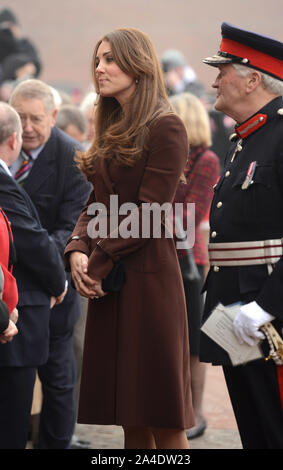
219	204
213	234
227	173
216	269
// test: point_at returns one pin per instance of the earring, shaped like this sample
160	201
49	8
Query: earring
136	80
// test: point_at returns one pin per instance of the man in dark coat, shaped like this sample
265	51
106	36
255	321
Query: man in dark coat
40	276
246	228
58	191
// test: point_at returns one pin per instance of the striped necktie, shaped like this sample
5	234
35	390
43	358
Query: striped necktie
23	171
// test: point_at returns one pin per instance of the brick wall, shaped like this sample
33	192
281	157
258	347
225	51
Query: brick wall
65	31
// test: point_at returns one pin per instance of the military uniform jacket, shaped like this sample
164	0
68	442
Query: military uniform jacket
251	214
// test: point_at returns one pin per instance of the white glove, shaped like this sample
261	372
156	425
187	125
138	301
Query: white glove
248	321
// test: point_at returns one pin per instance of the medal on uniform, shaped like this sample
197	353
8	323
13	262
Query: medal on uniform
249	176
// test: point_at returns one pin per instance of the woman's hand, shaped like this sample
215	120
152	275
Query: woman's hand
99	291
85	285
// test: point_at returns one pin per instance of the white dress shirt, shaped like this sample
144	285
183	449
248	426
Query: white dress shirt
5	166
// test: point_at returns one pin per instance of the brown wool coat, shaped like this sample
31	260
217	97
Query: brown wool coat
136	355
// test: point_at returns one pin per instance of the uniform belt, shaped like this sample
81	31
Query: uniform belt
245	253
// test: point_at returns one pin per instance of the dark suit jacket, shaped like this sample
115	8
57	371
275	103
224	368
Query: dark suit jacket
39	273
59	191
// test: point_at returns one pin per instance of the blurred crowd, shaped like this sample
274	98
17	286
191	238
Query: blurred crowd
20	59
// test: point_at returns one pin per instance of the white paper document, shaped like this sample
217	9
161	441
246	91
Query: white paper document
219	327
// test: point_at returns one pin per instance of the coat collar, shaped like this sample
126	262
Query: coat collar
4	168
258	120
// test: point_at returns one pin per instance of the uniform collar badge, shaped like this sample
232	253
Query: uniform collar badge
250	126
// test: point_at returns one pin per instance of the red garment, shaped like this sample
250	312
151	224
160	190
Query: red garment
201	172
10	292
280	382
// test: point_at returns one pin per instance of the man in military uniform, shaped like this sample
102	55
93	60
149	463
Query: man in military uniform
246	228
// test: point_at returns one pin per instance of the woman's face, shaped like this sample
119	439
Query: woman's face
112	81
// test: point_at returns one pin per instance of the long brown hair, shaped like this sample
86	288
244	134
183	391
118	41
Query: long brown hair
122	133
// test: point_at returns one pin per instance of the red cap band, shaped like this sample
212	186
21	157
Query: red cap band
258	59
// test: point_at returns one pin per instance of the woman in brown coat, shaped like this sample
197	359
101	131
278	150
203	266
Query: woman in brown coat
136	358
